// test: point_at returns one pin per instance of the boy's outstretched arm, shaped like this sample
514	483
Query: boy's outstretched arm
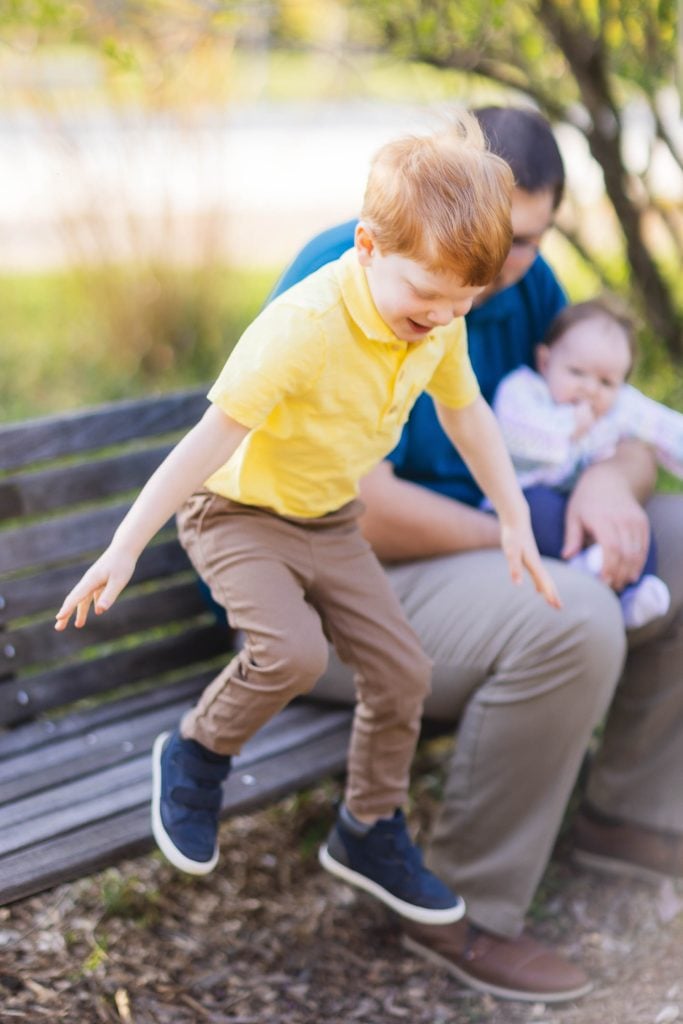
199	454
475	433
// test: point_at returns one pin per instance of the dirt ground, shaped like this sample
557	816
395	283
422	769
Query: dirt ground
269	938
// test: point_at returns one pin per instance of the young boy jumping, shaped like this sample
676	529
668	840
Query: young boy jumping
314	394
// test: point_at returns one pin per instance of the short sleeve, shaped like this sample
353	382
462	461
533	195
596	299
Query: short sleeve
281	354
453	382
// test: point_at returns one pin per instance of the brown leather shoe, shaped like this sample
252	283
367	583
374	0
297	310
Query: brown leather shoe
617	848
519	968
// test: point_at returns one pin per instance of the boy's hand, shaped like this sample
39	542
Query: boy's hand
519	547
100	586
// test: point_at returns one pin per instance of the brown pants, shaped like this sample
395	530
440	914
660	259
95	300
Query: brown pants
290	585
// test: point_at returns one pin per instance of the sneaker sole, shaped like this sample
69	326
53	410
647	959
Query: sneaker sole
161	836
420	914
618	868
487	987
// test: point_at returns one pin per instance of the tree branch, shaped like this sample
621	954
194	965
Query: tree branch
665	136
499	72
574	239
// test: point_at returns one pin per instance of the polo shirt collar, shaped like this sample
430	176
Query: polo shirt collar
353	283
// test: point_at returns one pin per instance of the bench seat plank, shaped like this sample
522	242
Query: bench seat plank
116	787
34	737
96	749
102	842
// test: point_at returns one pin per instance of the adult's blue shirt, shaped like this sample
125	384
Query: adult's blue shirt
502	333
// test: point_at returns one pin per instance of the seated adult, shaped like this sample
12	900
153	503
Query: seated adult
526	684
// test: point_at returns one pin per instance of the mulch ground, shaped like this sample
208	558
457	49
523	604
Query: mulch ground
269	938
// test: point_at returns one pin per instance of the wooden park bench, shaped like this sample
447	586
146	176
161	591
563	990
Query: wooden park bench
79	710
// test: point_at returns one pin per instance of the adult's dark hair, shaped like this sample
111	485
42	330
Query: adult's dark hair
525	140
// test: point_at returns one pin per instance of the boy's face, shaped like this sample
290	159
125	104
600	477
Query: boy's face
588	363
411	299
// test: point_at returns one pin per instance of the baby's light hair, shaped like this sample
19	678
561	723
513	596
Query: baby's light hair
444	201
606	308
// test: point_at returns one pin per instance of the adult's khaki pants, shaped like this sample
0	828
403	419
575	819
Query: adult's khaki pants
527	686
290	585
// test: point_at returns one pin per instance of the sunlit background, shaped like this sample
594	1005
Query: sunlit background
162	161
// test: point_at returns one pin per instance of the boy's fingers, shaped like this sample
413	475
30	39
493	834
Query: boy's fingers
106	595
544	583
546	586
79	600
82	612
550	593
514	558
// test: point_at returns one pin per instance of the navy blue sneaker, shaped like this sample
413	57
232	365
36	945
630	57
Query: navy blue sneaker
186	801
385	862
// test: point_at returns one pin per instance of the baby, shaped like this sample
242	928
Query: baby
573	412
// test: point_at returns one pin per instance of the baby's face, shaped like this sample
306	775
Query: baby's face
588	363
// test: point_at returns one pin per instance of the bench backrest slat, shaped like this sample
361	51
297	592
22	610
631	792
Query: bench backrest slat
54	541
68	481
130	615
44	591
65	684
30	494
53	437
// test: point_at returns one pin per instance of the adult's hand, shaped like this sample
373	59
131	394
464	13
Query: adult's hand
605	508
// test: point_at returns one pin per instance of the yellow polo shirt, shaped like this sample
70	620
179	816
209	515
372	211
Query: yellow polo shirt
326	386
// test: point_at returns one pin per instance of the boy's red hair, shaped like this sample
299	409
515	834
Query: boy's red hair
444	201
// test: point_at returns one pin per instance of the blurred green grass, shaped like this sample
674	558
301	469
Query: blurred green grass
83	336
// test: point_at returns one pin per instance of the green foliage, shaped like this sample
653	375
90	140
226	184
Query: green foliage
514	42
580	61
123	56
48	16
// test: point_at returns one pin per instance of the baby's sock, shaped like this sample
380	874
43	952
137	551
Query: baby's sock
644	601
641	602
589	560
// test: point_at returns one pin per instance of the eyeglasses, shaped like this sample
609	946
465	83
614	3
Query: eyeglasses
532	243
520	242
